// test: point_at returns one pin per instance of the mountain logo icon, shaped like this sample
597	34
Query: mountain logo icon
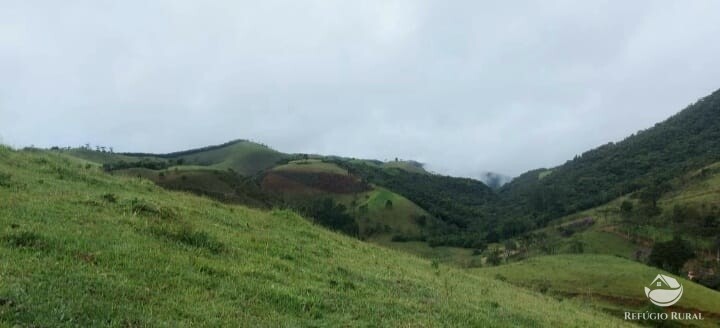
664	291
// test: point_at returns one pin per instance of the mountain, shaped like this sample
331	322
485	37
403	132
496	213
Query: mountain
422	206
84	248
429	210
648	159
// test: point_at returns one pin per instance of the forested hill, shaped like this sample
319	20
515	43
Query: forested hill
688	140
471	213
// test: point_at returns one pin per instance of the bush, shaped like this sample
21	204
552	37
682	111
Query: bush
494	258
142	207
110	198
671	255
190	237
626	206
331	215
400	238
24	239
5	179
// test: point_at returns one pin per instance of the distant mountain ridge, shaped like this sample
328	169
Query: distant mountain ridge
499	207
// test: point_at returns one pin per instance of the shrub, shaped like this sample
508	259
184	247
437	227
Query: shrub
671	255
388	204
110	198
400	238
626	206
190	237
142	207
5	179
24	239
494	258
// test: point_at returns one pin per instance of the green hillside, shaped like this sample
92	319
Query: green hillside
632	227
107	157
226	186
244	157
380	213
83	248
687	141
614	284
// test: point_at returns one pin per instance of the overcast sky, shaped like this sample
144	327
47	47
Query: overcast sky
464	86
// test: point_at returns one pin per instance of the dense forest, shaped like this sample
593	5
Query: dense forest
649	159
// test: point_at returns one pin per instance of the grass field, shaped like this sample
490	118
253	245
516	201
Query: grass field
83	248
612	283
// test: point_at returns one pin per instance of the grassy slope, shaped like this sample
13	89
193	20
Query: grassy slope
245	157
385	222
694	190
311	166
72	257
700	190
400	217
410	166
221	185
615	283
102	158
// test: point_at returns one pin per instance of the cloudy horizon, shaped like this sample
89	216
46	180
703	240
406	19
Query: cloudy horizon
464	87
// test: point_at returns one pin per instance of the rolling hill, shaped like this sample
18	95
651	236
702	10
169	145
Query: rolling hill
84	248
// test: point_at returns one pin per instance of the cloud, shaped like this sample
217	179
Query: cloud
464	86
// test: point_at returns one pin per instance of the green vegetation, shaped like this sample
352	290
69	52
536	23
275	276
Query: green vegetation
615	284
244	157
84	248
457	203
409	166
687	141
312	165
630	199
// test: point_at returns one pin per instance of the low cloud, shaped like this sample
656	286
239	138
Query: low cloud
463	86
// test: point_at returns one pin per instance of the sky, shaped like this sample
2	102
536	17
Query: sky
463	86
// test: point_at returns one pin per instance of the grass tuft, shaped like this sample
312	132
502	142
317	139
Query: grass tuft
25	239
145	208
5	179
110	198
190	237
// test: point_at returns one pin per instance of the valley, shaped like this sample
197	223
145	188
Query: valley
266	237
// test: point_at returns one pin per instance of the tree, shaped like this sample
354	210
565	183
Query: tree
388	204
671	255
626	207
494	258
331	215
577	246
